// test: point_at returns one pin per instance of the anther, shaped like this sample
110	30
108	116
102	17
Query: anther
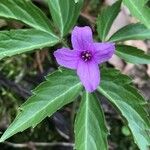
86	56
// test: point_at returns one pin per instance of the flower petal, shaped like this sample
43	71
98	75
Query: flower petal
81	36
89	75
103	51
67	58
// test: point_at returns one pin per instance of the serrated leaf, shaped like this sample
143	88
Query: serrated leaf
26	12
24	40
59	89
140	10
130	103
132	54
131	32
106	18
90	129
64	14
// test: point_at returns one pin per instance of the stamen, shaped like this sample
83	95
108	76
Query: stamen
86	56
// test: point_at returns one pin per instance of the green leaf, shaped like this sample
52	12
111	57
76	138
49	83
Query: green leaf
20	41
106	18
132	54
129	102
26	12
59	89
140	10
131	32
90	128
64	14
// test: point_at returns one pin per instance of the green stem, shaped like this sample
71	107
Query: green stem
64	43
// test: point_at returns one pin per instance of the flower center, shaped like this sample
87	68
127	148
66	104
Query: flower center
86	56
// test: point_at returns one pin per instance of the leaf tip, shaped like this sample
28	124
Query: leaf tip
2	140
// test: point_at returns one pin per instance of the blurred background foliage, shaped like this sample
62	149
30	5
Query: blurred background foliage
21	73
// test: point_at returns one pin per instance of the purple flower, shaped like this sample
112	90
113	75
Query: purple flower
85	56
